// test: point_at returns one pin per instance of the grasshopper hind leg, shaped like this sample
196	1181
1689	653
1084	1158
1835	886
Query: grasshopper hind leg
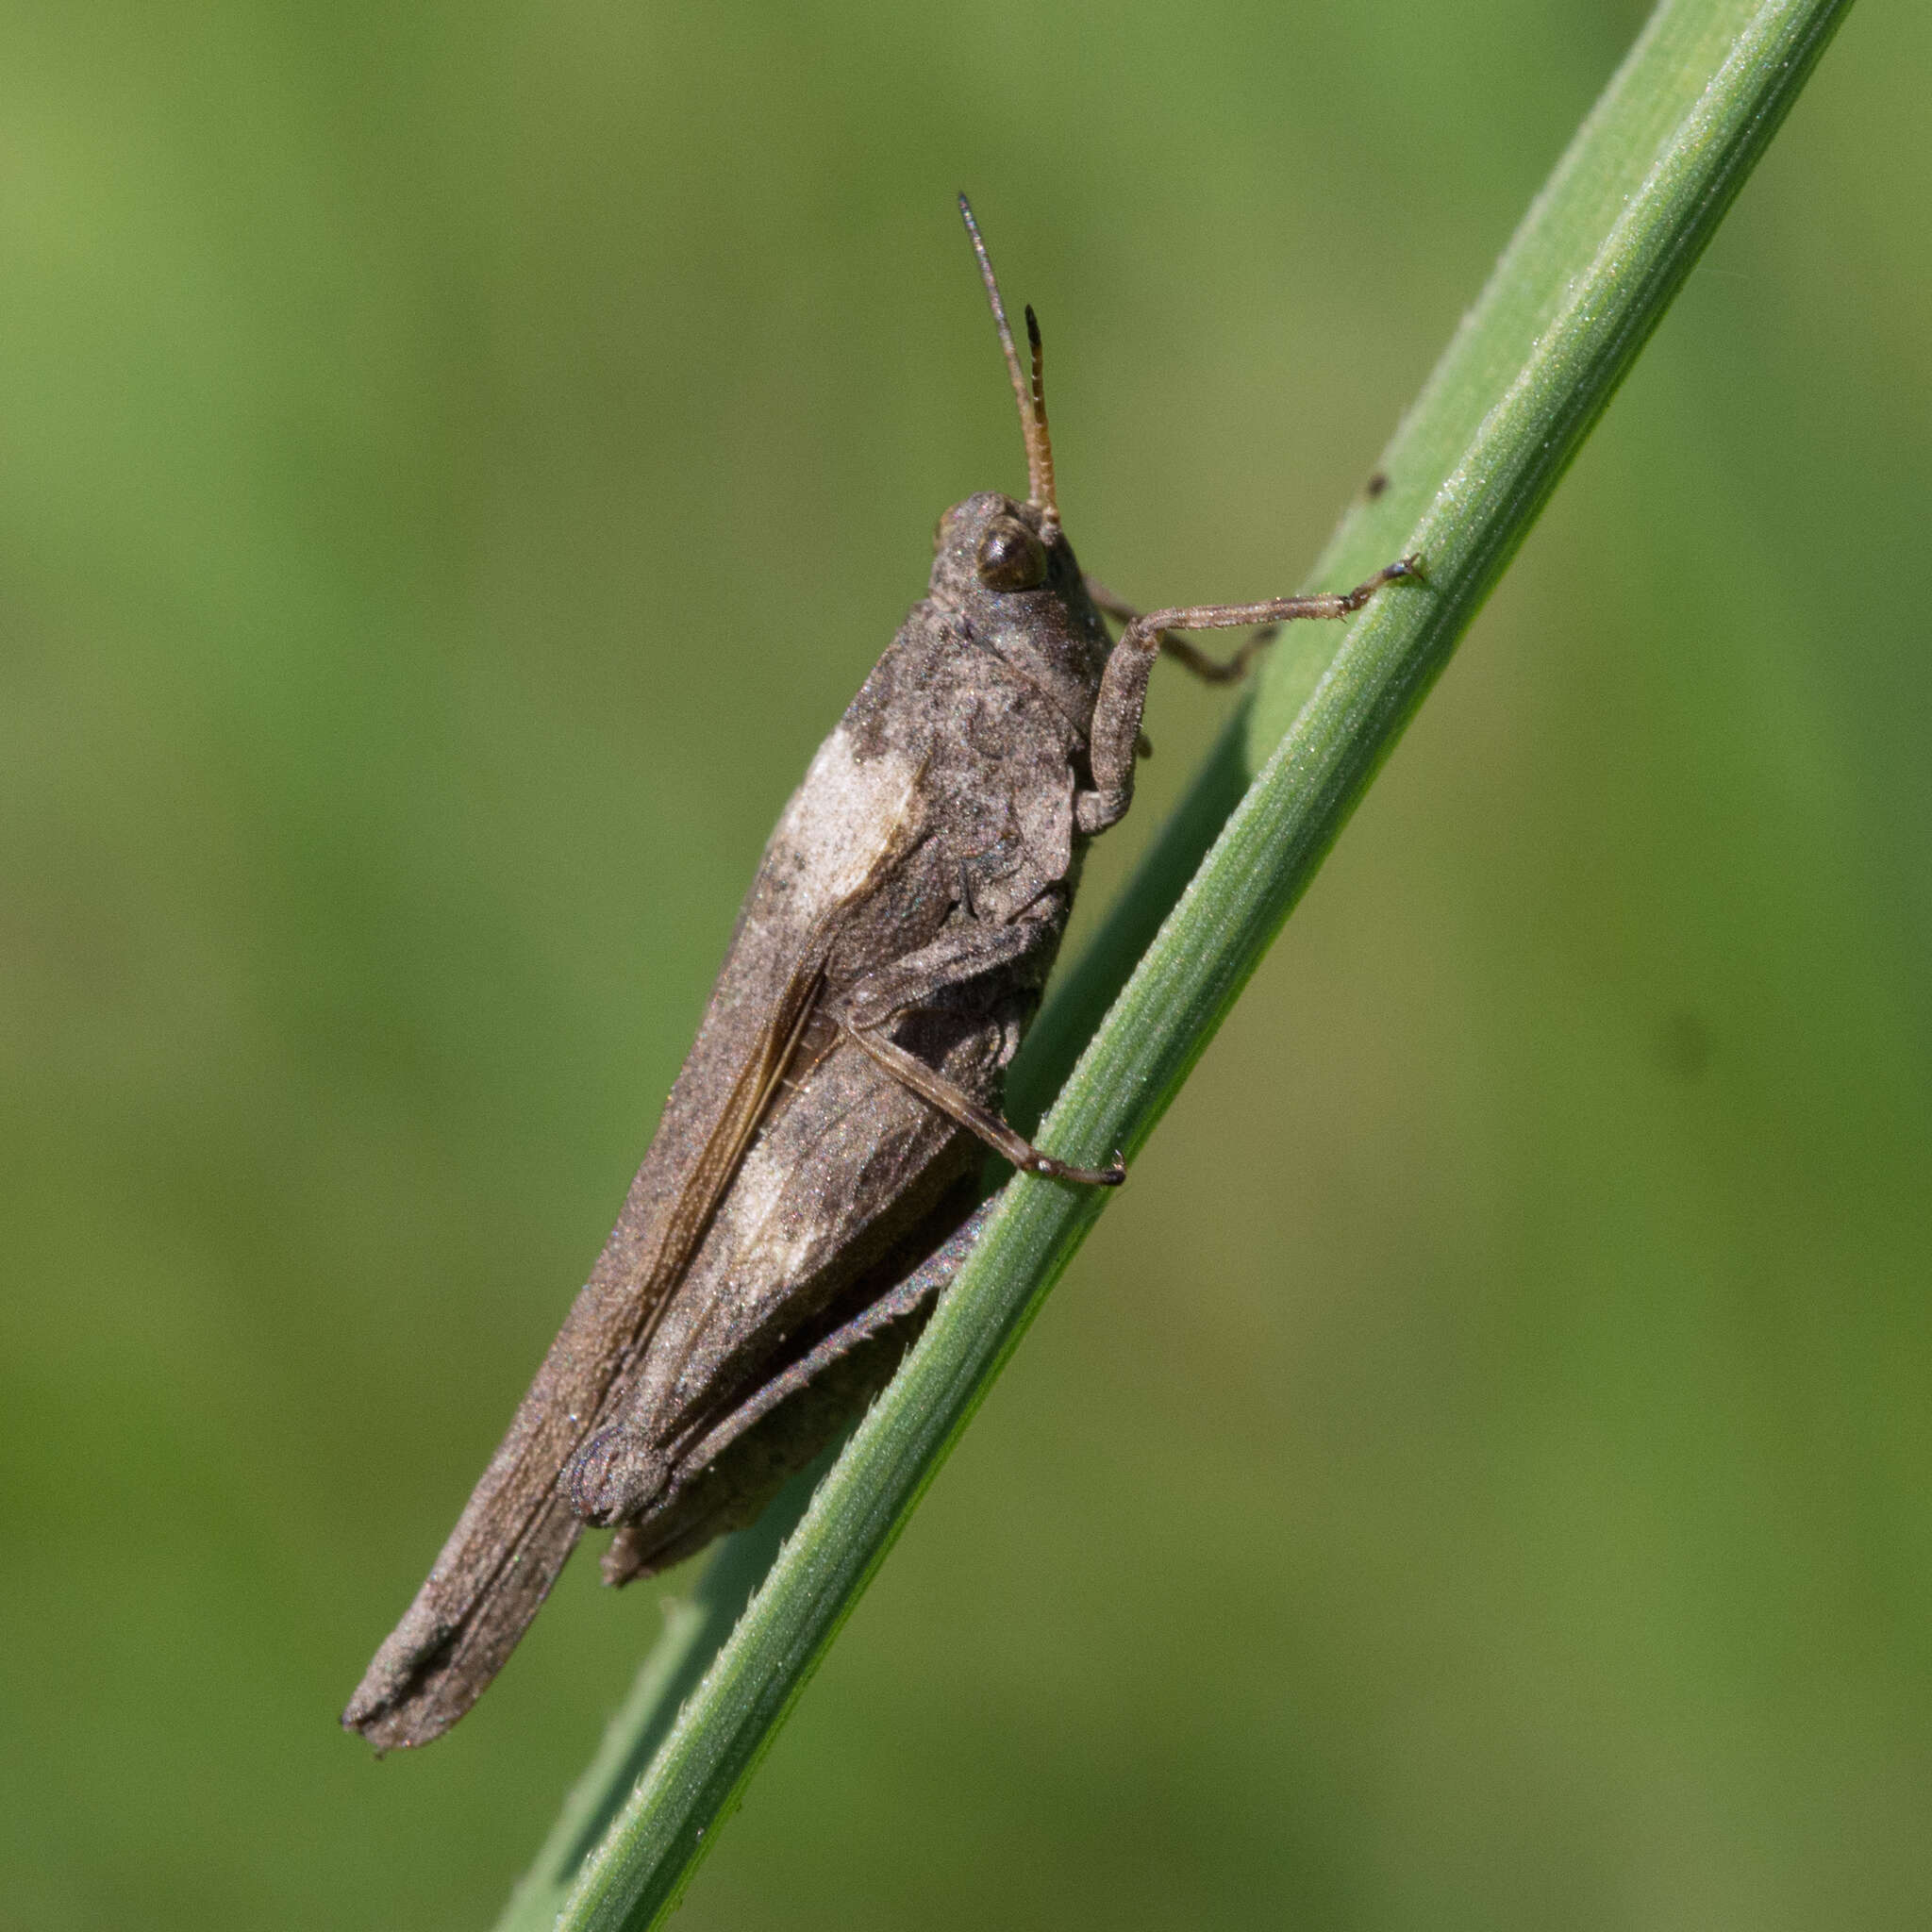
726	1478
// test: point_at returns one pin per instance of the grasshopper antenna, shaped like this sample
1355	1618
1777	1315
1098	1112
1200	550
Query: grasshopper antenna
1042	492
1032	400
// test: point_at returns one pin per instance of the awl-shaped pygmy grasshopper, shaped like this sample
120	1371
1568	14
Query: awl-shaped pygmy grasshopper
812	1183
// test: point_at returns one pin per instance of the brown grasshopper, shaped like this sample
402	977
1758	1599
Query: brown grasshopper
812	1184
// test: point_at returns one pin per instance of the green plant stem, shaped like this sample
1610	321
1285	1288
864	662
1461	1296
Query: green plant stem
694	1630
1601	251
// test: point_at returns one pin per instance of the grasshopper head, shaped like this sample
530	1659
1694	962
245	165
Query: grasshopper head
1007	570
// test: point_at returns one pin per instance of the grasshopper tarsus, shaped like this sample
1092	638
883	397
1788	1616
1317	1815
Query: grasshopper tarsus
1048	1168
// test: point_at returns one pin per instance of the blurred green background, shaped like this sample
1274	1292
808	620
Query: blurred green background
456	463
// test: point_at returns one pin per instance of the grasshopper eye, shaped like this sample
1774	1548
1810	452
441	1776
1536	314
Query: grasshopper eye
1010	557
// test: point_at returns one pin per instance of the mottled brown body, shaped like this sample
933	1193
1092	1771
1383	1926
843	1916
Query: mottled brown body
809	1191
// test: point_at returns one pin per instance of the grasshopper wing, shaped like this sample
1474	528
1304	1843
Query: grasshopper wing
848	826
518	1529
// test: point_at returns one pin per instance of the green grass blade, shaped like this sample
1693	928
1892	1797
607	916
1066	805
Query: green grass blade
1601	252
694	1631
